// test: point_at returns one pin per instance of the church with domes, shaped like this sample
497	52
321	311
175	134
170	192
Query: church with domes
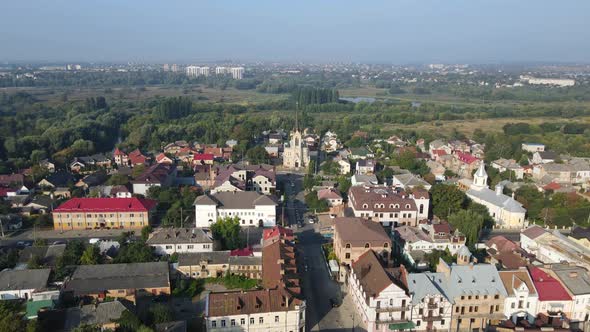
505	210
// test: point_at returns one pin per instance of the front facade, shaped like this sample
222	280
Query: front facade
388	206
577	281
554	299
252	209
380	299
255	311
296	153
204	265
167	241
431	309
522	300
95	213
157	175
22	284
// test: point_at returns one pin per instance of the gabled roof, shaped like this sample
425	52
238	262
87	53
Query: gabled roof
24	279
250	302
156	173
235	200
203	156
372	277
426	284
329	193
358	231
534	232
514	279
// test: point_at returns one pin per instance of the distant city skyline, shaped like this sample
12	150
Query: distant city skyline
375	31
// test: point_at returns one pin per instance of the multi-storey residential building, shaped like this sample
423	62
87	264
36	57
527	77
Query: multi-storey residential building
554	299
255	311
279	266
196	71
477	293
522	299
222	70
92	213
247	266
576	280
167	241
259	178
355	236
431	309
389	206
252	208
237	73
380	295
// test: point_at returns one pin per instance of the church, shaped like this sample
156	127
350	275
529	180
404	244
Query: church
505	210
296	153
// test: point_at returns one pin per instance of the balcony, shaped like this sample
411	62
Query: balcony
432	305
431	318
389	320
392	309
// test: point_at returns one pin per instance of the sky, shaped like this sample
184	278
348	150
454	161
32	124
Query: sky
377	31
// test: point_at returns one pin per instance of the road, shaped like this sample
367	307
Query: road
317	284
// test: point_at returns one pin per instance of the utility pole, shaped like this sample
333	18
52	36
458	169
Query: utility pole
181	220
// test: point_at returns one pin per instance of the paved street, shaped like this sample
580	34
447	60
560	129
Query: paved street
318	287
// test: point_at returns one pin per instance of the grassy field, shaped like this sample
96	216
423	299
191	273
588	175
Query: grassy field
468	126
54	96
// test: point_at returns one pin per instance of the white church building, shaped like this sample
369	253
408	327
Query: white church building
505	210
296	153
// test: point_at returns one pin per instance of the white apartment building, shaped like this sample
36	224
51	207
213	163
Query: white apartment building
379	297
255	311
252	208
237	73
167	241
196	71
222	70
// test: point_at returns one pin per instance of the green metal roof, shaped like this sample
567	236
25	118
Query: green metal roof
402	326
33	307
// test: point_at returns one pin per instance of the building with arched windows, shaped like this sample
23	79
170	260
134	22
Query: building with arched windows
296	152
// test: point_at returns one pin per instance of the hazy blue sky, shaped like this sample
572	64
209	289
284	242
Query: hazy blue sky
397	31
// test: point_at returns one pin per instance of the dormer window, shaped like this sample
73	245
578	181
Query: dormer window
365	206
348	246
367	245
407	206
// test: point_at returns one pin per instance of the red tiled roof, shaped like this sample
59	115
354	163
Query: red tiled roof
242	252
552	186
225	304
533	232
439	152
549	288
107	205
203	156
329	193
136	157
161	157
277	230
502	244
118	152
466	157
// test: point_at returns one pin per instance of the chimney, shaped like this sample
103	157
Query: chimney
499	189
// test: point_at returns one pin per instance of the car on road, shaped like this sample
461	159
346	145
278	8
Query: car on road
22	244
94	240
58	242
332	216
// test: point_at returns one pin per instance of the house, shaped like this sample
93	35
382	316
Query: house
255	311
137	158
175	147
161	158
532	147
344	166
89	213
22	284
388	206
522	298
121	281
331	195
477	294
91	180
553	247
364	180
544	157
464	163
204	176
47	255
275	138
103	315
505	254
120	191
505	210
355	236
277	233
279	267
157	175
379	295
259	178
121	158
360	153
10	180
57	179
431	309
365	166
47	165
167	241
219	153
503	165
203	159
203	264
247	266
252	208
408	181
94	161
40	204
10	222
554	299
576	280
437	170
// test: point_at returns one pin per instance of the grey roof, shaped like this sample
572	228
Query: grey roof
91	279
93	314
175	326
411	180
48	254
235	200
366	178
490	196
245	260
464	251
179	235
24	279
474	279
575	278
211	257
425	284
548	155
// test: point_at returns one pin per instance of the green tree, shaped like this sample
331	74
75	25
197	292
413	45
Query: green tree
128	322
160	313
227	230
10	317
135	252
446	200
118	179
258	155
315	204
469	223
90	256
145	232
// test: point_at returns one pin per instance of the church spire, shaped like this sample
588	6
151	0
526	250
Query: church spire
296	121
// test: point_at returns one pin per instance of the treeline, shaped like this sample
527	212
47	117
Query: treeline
315	96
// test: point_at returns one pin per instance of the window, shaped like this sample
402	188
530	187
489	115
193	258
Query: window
417	323
233	322
223	323
496	296
276	319
190	246
385	245
512	305
251	320
213	323
348	246
367	245
442	322
168	247
261	320
242	321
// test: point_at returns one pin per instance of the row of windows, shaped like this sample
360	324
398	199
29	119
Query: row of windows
477	297
223	213
188	246
465	309
232	322
106	224
99	215
367	245
382	206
